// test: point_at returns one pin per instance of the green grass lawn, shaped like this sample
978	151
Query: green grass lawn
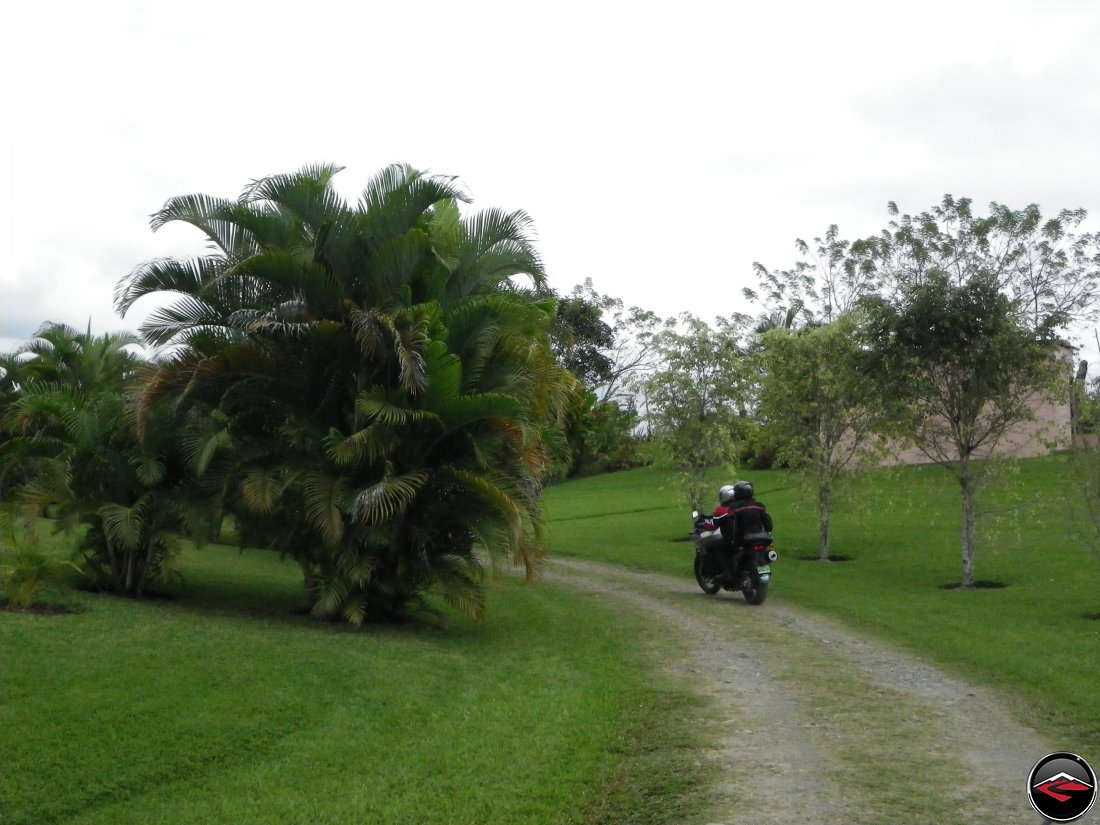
221	705
1036	636
224	704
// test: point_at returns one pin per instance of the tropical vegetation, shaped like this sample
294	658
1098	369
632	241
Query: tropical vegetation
71	452
371	386
381	390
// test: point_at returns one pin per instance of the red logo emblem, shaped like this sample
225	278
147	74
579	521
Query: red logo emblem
1062	787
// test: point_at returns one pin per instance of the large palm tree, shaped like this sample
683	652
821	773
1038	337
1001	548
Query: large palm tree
386	388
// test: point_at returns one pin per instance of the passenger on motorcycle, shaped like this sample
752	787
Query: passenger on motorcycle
725	496
707	523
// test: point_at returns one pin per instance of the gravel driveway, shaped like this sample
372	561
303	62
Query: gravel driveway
812	724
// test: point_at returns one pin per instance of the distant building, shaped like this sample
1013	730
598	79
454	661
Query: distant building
1052	428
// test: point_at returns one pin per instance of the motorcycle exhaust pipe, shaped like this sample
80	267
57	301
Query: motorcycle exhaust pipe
772	555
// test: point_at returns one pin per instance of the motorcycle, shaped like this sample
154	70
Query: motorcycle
752	571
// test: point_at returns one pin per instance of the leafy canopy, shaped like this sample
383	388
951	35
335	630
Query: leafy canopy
372	385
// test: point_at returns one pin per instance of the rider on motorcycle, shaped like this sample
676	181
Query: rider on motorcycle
745	517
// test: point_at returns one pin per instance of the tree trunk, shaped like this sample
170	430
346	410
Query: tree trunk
116	568
143	575
824	503
131	558
969	538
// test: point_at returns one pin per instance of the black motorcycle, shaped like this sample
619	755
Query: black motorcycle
751	565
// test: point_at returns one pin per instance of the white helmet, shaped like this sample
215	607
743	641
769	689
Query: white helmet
725	494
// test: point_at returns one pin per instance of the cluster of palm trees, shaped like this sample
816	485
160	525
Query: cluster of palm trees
367	388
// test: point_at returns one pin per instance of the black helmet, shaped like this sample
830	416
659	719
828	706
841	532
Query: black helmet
742	490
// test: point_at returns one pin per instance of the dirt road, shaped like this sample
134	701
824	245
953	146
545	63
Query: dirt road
812	724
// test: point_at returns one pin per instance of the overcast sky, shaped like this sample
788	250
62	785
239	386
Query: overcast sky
660	147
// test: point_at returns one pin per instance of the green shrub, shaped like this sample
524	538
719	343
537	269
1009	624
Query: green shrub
25	572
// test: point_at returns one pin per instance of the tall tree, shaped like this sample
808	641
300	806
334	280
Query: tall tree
389	395
828	280
965	372
1048	266
815	398
697	401
606	348
1051	271
581	337
617	341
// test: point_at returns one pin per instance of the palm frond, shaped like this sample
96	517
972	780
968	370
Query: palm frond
29	447
307	194
201	440
510	522
87	425
366	446
398	196
172	375
376	405
382	501
186	317
271	326
444	373
329	596
285	275
372	327
490	492
41	404
395	263
531	554
447	232
149	470
461	583
498	246
262	489
355	611
459	413
166	275
325	500
124	526
410	341
50	485
218	218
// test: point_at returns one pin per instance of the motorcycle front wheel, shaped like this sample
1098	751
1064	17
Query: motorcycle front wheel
707	581
754	590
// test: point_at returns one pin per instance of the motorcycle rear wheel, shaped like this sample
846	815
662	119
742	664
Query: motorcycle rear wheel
754	590
707	582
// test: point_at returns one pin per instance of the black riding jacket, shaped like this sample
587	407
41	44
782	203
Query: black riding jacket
746	517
